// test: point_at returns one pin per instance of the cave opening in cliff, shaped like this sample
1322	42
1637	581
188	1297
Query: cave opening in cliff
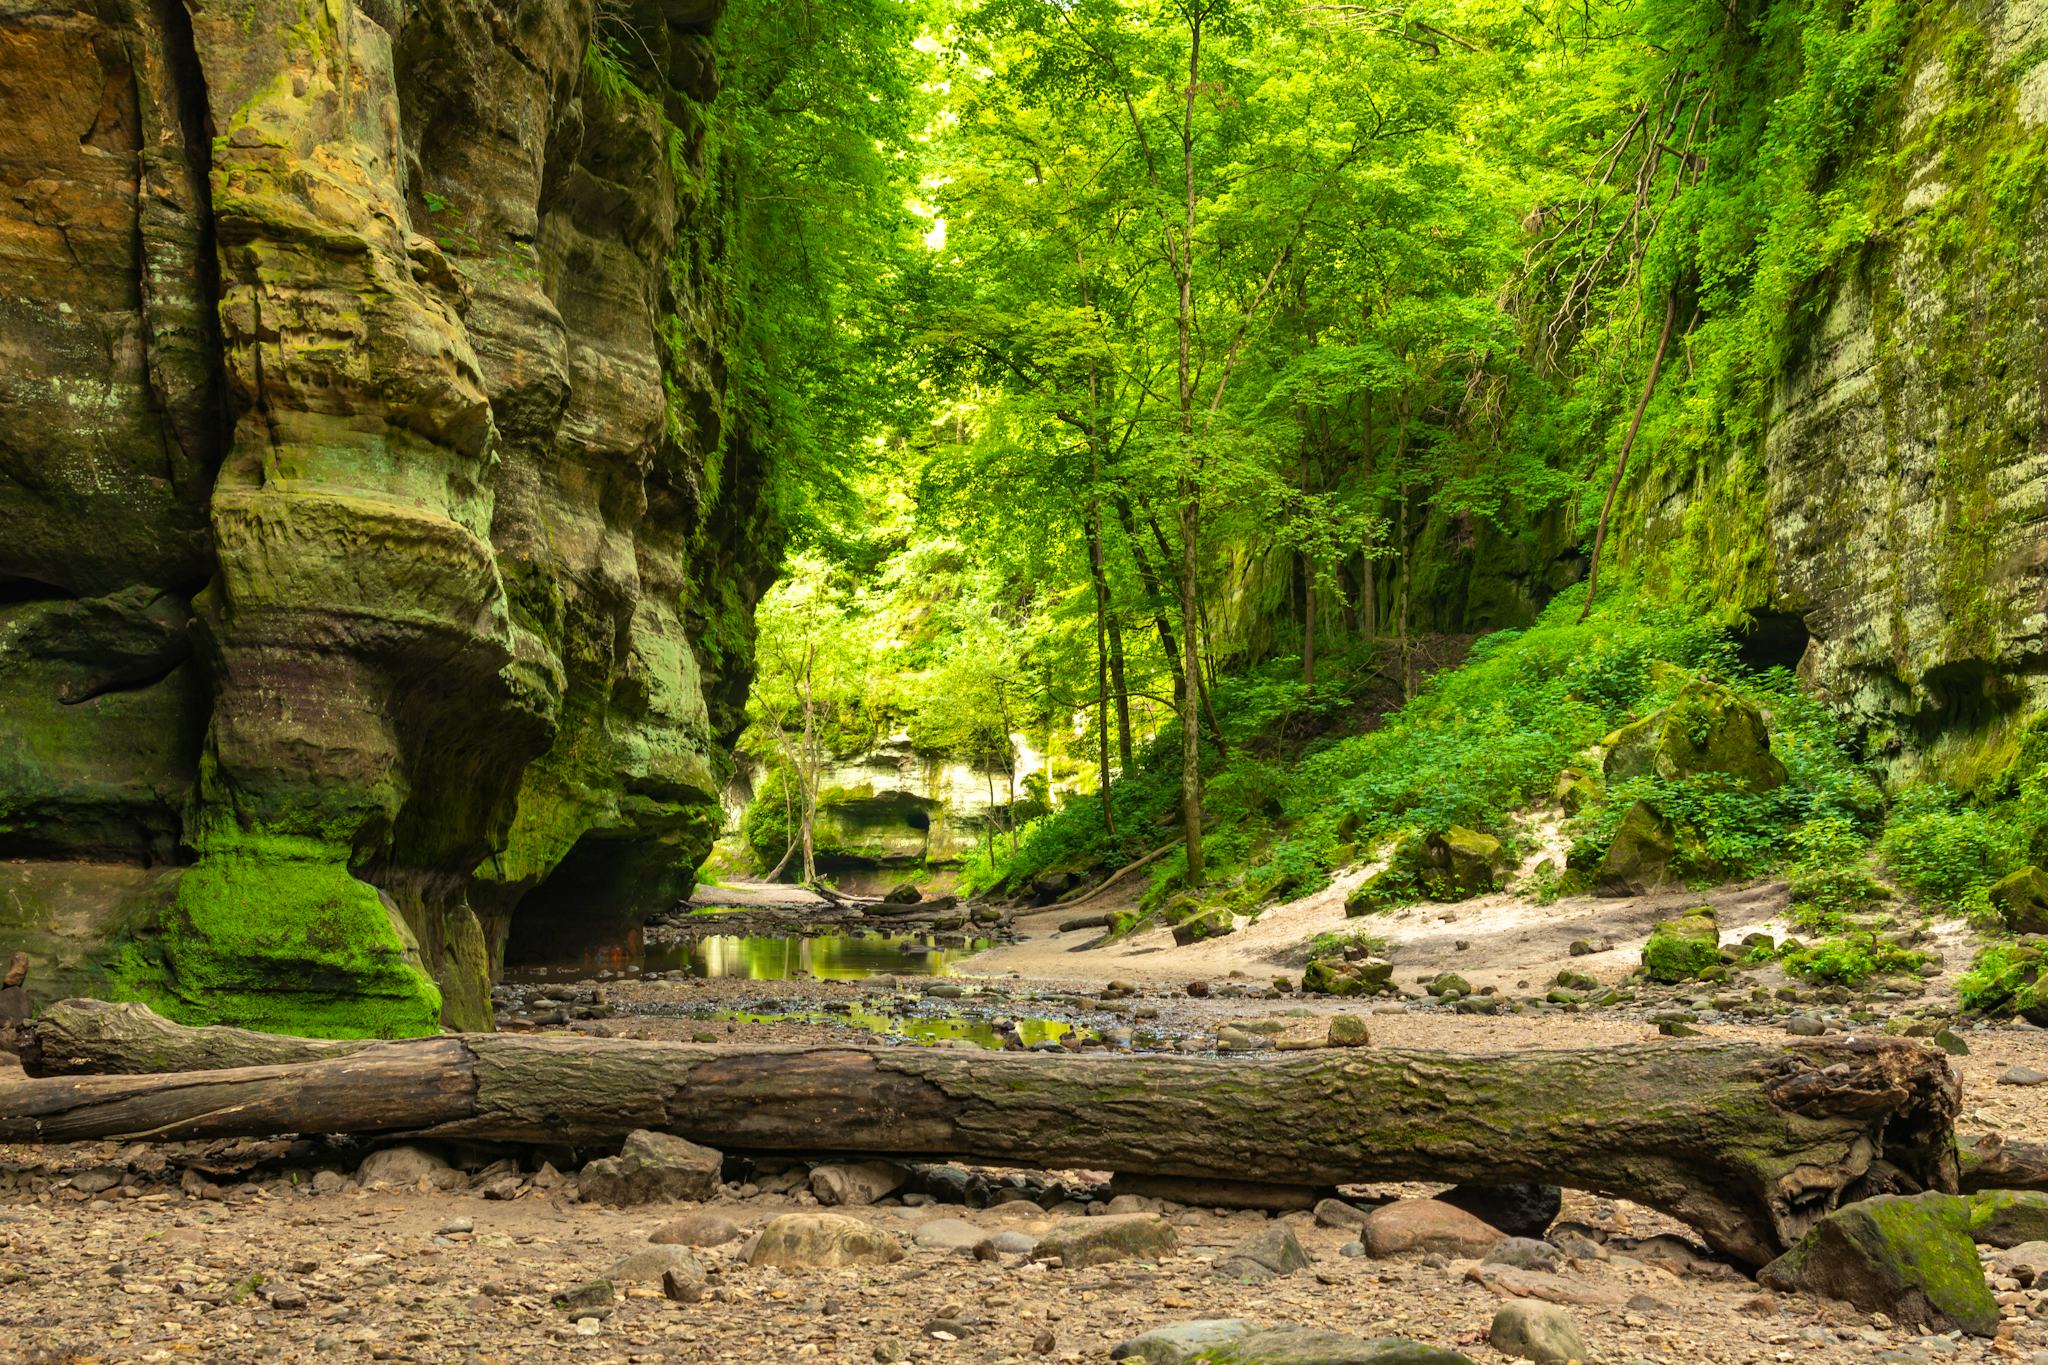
1772	639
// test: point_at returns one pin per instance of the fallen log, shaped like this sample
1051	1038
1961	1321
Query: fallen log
1992	1161
1749	1143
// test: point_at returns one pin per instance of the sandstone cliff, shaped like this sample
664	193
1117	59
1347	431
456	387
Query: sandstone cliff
367	496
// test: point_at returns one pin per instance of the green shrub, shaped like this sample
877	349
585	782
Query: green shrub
2007	978
1949	854
1830	875
1850	961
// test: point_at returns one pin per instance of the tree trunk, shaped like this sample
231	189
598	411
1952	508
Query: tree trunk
1149	577
1749	1143
812	769
1627	444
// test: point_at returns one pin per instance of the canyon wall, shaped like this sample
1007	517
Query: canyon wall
367	494
1890	528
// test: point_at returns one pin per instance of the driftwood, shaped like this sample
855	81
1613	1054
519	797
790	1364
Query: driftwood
1749	1143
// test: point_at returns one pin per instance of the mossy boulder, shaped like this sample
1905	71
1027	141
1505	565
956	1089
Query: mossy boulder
1638	858
1683	949
1335	976
1208	924
2022	901
2006	1218
1576	790
1461	863
1911	1258
1706	729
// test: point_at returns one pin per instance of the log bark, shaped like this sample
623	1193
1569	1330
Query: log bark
1992	1161
1749	1143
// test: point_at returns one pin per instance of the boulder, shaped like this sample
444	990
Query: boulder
1208	924
822	1240
1638	858
1097	1241
2022	901
1181	1342
2007	1218
1682	948
1314	1346
1337	976
904	893
1417	1226
1265	1255
705	1229
1706	729
1518	1210
1576	790
1462	863
652	1168
407	1166
854	1183
1909	1257
2027	1263
1528	1329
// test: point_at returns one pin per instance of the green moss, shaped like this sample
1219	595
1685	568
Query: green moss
271	932
1683	949
2007	978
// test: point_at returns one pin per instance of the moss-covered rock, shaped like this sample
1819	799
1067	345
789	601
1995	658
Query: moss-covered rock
1706	729
1461	863
2006	1218
2022	900
1638	858
1213	923
1911	1258
1336	976
1576	790
271	932
1683	949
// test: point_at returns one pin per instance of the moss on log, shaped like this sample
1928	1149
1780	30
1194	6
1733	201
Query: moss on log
1749	1143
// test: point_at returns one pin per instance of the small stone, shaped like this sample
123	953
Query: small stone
1526	1253
652	1264
407	1166
1266	1255
701	1229
949	1234
1097	1241
2023	1075
584	1297
682	1287
456	1226
651	1168
827	1240
1528	1329
1044	1344
1805	1026
1335	1213
850	1184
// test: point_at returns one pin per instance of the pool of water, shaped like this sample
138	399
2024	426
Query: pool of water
770	957
969	1028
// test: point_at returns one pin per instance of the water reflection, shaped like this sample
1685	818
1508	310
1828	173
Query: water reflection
940	1028
776	957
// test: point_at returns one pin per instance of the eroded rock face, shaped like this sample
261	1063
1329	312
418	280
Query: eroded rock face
370	500
1890	528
